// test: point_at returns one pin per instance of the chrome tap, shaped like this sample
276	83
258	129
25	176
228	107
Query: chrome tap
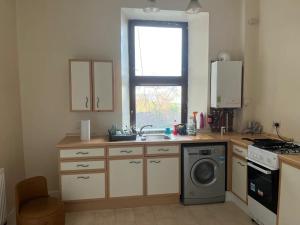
142	128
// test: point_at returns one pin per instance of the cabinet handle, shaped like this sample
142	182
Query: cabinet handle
98	100
241	164
135	162
238	150
83	165
154	161
126	151
163	150
86	102
84	177
82	153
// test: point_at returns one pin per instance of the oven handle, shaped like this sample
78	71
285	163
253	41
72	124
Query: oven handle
259	169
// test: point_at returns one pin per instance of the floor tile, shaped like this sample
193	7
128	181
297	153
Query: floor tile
213	214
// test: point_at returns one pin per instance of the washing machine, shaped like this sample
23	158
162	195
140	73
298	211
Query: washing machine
203	173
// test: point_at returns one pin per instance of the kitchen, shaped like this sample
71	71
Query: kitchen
39	37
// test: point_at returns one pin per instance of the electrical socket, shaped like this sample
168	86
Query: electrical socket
276	124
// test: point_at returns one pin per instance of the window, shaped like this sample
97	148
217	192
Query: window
158	58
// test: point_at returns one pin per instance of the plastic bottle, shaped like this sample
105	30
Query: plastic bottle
174	127
201	120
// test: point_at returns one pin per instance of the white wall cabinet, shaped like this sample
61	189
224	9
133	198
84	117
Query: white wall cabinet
239	178
125	177
103	85
80	82
163	176
226	84
289	196
91	85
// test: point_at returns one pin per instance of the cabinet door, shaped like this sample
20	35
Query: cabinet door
125	177
162	176
239	178
103	86
289	196
83	186
80	79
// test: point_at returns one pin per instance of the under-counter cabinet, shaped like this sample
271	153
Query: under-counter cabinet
82	174
125	177
163	176
163	169
239	173
289	197
91	85
80	85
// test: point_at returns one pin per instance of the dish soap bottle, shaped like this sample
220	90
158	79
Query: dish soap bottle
201	120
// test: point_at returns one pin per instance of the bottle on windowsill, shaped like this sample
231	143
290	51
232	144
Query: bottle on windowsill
175	128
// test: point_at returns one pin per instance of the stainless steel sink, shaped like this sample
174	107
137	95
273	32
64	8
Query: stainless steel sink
155	137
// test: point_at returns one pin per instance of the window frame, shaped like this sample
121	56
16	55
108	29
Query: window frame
157	80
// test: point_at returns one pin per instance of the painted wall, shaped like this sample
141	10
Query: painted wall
250	28
11	152
277	83
51	32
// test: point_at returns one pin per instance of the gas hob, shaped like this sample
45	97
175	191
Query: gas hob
265	152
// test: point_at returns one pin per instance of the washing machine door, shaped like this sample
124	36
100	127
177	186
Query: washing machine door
204	172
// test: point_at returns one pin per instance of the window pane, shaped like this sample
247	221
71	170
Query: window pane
158	105
158	51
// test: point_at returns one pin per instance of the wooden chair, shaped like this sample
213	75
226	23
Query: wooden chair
34	206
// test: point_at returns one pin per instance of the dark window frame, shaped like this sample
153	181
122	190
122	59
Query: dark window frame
158	80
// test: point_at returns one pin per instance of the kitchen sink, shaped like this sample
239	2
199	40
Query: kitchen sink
155	137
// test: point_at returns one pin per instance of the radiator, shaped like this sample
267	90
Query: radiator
3	213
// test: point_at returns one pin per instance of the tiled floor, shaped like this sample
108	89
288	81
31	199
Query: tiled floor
217	214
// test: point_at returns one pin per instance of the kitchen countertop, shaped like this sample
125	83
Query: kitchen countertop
293	160
74	141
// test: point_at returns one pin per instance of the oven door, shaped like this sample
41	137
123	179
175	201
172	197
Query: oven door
263	185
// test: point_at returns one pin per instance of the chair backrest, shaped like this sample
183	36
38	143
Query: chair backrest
29	189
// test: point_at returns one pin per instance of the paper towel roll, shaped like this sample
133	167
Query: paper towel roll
85	130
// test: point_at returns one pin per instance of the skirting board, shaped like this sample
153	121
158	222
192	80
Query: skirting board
230	197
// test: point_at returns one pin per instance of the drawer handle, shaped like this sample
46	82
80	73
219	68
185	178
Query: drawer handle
241	164
126	151
163	150
82	153
154	161
238	150
83	165
84	177
135	162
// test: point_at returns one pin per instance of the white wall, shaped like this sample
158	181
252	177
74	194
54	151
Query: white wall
11	151
249	31
198	80
278	80
51	32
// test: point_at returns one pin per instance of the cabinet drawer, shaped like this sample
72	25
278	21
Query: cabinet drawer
240	151
123	151
162	149
82	165
82	153
83	186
